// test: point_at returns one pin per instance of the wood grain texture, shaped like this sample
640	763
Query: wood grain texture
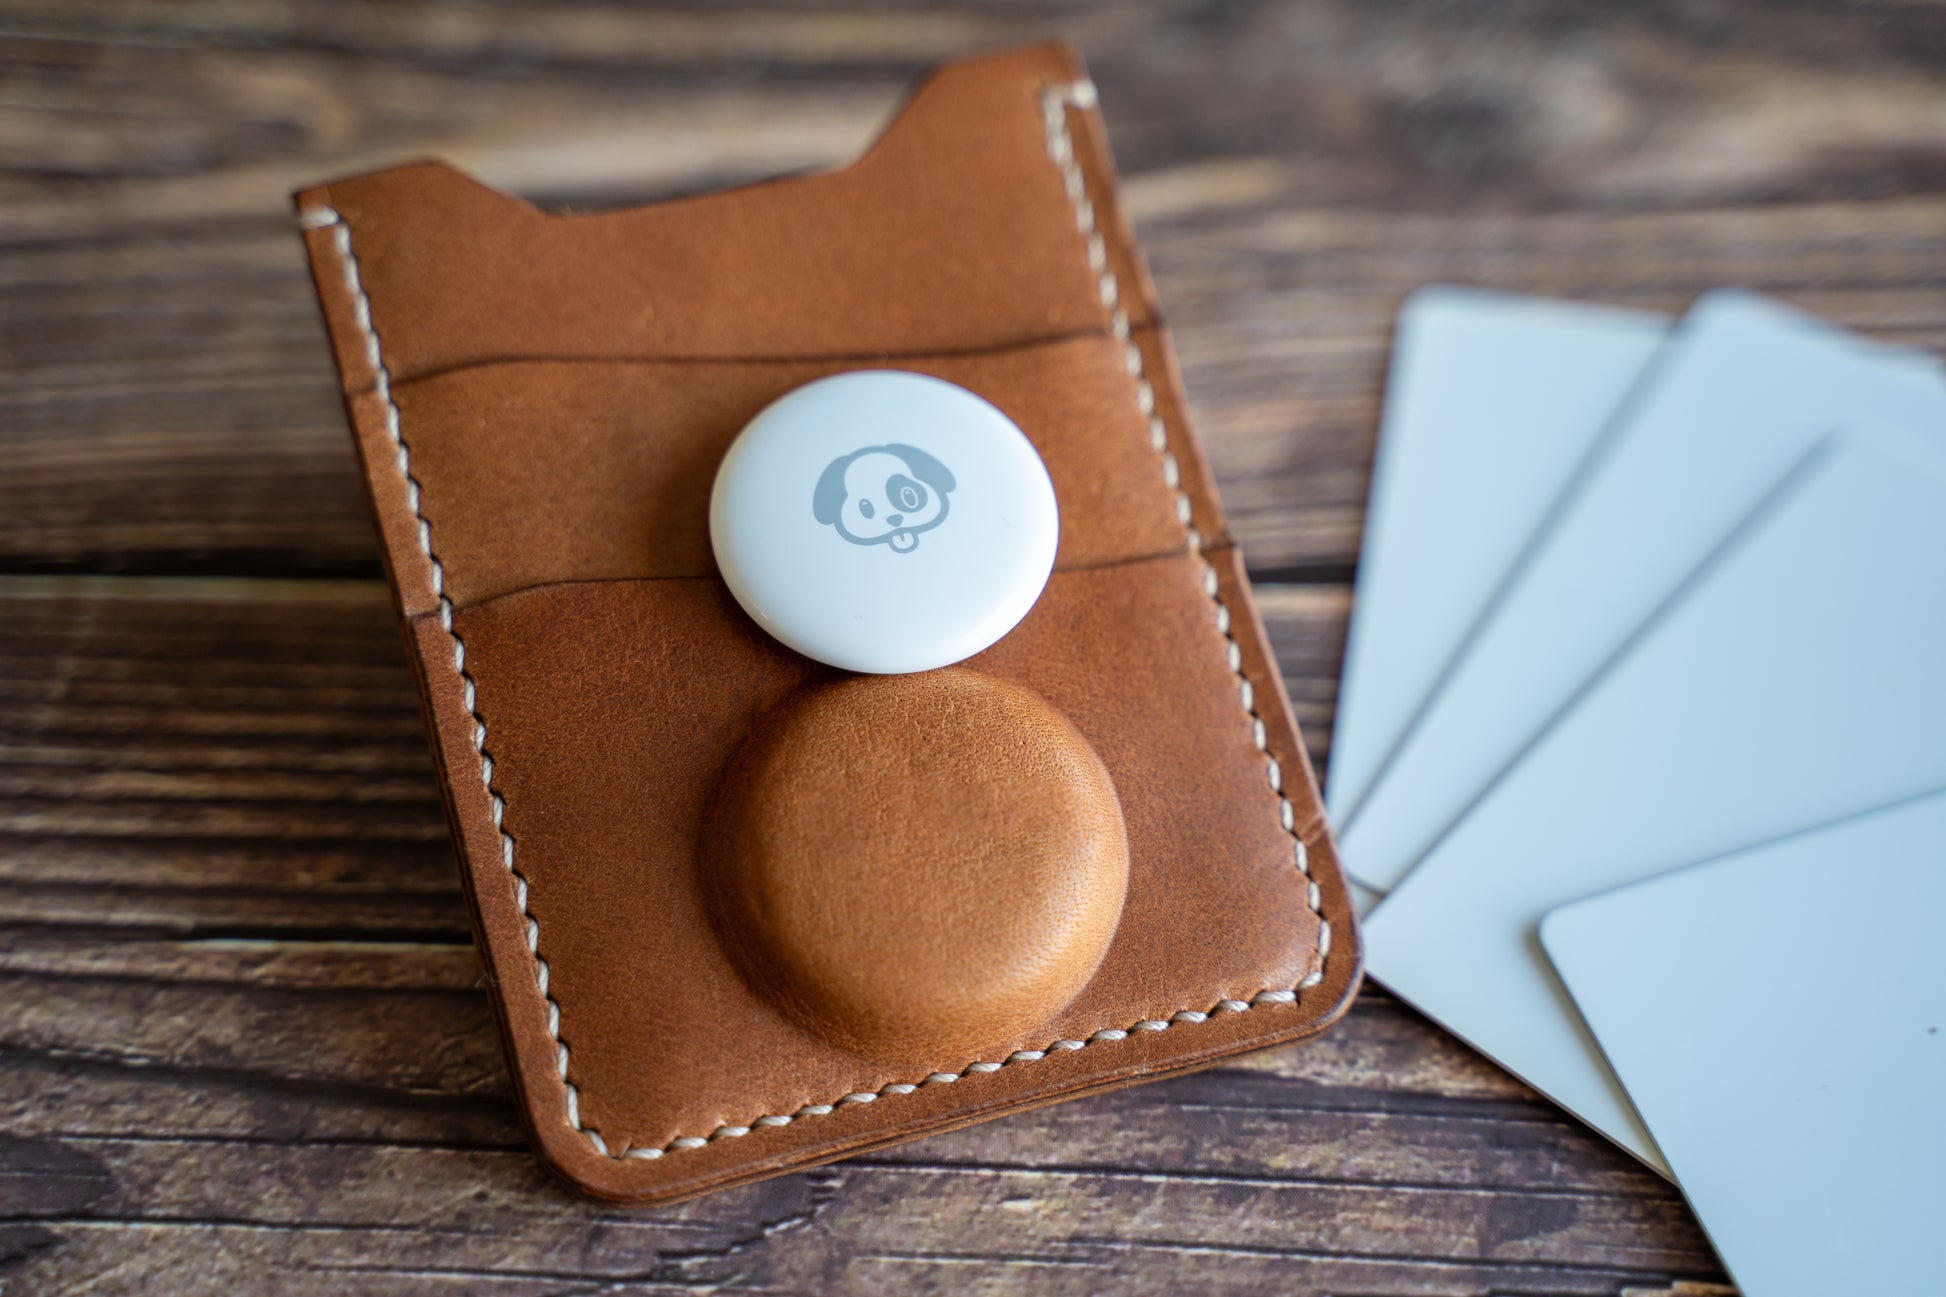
242	1044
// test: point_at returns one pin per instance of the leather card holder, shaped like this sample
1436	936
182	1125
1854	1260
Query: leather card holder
539	403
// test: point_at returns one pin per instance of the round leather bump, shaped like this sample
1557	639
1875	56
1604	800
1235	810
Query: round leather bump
918	868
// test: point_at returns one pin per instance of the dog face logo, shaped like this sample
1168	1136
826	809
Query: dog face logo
883	495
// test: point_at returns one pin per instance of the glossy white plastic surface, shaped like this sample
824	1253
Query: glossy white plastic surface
1492	405
1744	388
884	521
1747	709
1779	1017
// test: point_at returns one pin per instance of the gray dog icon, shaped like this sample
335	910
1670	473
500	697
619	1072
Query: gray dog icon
883	495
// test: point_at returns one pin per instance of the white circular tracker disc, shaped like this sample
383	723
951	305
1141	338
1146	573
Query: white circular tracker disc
884	521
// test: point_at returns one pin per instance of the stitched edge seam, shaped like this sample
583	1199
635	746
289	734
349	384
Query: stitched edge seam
318	218
1055	103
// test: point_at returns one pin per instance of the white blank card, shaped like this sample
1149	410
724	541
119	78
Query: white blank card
1491	403
1743	389
1799	677
1779	1019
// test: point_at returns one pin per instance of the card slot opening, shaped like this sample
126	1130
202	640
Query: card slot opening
1211	548
1012	347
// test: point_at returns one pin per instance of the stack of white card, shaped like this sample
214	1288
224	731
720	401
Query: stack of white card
1641	750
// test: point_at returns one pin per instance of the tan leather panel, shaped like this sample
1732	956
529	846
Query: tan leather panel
609	466
615	710
527	441
951	232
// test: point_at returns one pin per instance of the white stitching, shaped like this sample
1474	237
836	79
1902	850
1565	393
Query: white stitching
318	218
1055	103
1019	1056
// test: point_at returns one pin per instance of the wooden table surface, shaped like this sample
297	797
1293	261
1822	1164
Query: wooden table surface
243	1047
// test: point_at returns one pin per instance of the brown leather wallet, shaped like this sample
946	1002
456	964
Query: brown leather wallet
540	403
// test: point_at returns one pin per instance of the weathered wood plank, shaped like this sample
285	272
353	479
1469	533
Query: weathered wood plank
392	1026
1232	1162
320	1209
111	996
798	1256
1449	1119
125	107
453	1205
416	1043
211	1100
